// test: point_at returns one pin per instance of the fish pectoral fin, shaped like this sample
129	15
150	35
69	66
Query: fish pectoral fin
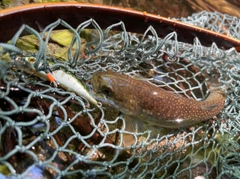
128	139
132	125
135	125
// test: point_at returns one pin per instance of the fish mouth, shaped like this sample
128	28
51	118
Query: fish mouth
103	99
93	83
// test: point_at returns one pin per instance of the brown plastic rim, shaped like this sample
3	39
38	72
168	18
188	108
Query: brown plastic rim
43	14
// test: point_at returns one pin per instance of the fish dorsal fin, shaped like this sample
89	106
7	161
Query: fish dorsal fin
210	107
139	77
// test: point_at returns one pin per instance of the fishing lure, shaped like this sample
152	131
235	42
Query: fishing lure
59	77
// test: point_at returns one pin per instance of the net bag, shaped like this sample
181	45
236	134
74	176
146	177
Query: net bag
57	128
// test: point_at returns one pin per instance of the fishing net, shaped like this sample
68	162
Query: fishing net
48	131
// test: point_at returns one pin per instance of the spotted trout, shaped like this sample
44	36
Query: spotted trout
143	101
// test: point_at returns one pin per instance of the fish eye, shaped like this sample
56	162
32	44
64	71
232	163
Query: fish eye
107	90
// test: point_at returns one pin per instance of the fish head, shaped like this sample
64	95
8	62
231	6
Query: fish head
103	84
114	89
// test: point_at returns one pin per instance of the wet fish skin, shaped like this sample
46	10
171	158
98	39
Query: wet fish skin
143	101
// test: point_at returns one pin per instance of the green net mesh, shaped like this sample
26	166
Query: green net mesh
47	131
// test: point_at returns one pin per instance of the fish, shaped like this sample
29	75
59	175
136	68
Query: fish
142	101
65	80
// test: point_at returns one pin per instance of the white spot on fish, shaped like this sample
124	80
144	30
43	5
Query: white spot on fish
179	120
